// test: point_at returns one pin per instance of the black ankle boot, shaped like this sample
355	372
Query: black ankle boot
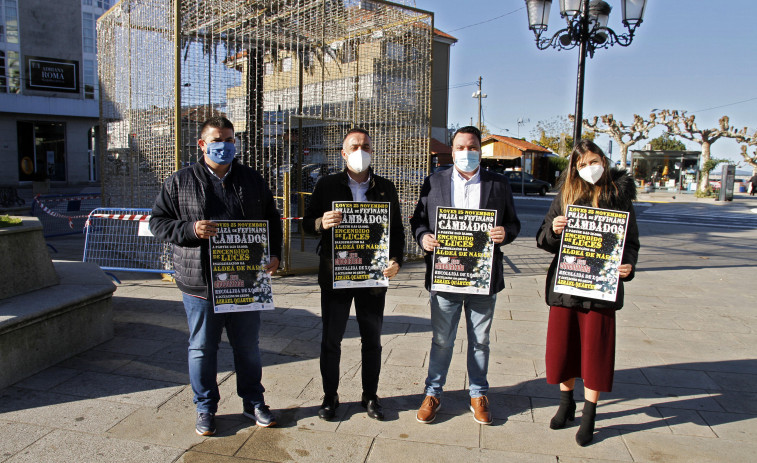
586	431
567	410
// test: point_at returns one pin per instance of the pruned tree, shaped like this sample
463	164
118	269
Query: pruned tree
624	135
748	141
679	124
749	159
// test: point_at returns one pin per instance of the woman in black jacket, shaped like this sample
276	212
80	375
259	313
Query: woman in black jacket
581	331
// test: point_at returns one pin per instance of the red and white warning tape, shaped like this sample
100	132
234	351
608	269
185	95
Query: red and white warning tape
47	210
136	217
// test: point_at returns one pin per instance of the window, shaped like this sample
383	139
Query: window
349	52
10	75
286	64
8	21
268	69
105	4
86	2
3	78
89	79
88	33
395	51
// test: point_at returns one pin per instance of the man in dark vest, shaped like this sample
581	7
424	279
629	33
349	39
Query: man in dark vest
217	187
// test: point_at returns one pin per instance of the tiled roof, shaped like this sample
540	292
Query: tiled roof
444	34
522	145
438	147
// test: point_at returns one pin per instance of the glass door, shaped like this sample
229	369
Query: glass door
41	151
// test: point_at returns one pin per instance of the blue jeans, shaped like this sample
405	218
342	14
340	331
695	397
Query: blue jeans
205	328
445	316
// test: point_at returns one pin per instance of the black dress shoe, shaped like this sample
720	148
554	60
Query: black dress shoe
328	407
373	407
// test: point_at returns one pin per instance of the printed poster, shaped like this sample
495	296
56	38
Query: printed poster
238	255
361	245
463	262
591	250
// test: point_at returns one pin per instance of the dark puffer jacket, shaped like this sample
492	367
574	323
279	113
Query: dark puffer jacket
549	241
190	195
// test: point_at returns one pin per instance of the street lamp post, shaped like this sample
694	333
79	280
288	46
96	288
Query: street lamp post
586	29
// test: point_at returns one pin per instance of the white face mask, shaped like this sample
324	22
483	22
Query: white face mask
592	173
358	161
467	161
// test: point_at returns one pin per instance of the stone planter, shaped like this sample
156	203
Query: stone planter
24	260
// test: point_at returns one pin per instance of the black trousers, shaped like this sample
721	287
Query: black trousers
335	311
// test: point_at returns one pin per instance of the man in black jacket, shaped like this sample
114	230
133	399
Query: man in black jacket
217	187
356	183
463	186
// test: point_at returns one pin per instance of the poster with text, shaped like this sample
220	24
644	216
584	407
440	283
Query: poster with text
238	255
591	249
463	262
361	245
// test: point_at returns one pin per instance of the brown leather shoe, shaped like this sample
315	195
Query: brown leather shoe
480	408
429	407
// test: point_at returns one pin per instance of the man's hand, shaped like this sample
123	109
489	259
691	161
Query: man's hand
429	242
497	234
331	219
204	229
559	223
273	265
625	270
392	270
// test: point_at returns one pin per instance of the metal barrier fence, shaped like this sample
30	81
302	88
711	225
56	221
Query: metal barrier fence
62	214
119	240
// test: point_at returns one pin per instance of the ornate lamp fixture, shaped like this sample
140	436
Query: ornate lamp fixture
587	29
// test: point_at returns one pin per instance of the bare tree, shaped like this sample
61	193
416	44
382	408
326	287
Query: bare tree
748	141
678	123
751	160
624	135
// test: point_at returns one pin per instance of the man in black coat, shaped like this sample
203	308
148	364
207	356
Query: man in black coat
356	183
217	187
466	186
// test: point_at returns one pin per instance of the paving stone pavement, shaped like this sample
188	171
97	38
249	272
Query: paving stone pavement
685	386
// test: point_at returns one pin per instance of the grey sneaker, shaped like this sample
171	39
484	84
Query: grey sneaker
261	415
206	424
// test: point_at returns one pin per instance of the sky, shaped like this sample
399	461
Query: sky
692	55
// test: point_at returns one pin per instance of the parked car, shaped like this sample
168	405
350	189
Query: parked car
531	185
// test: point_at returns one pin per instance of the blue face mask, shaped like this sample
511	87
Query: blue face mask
221	152
467	161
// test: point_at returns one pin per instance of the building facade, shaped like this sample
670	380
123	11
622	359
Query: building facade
48	91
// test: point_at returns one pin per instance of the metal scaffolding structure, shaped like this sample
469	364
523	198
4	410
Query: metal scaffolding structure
292	75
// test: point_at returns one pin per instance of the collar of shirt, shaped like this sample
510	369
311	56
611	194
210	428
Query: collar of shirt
358	189
466	194
216	175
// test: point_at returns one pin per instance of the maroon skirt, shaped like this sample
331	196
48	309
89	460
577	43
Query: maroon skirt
581	344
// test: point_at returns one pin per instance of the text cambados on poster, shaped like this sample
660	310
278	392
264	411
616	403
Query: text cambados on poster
238	255
360	245
463	261
591	250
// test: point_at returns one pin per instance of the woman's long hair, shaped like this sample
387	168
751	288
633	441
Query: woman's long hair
576	190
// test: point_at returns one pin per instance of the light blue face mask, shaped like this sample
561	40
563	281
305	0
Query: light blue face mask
221	152
467	161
